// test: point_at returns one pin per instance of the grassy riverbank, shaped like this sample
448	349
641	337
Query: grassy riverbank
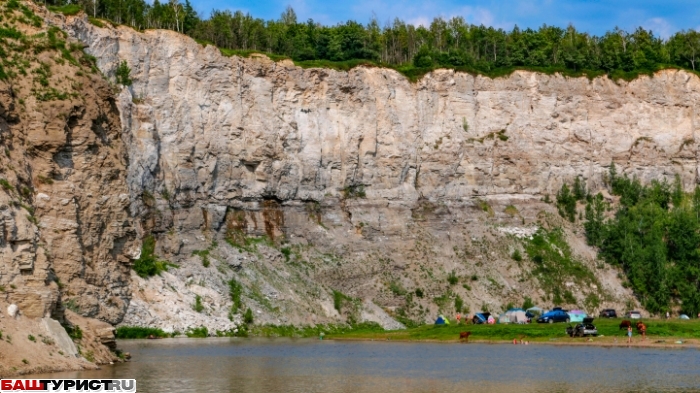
657	330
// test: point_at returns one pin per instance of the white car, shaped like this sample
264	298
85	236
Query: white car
633	315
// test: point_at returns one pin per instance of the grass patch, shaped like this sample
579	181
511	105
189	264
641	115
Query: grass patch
511	210
6	185
204	255
238	239
96	22
483	205
67	10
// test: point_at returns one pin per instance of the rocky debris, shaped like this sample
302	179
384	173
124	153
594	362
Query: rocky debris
519	232
373	313
60	337
167	302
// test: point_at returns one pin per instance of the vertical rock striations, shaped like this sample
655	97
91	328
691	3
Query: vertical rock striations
377	186
67	238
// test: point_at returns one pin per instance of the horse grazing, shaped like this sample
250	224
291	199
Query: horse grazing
642	329
464	336
625	324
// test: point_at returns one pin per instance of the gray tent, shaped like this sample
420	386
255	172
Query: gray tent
503	318
516	316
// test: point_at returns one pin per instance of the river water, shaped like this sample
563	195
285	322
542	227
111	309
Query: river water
286	365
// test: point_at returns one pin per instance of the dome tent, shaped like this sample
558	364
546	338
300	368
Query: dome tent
441	320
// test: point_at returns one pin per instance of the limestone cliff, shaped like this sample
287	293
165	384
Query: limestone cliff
299	182
362	182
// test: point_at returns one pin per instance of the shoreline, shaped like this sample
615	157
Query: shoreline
655	342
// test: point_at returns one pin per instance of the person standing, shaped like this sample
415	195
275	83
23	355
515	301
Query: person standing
459	318
668	315
629	334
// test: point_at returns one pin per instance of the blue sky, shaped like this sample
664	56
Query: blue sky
594	16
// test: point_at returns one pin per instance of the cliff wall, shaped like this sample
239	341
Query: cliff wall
66	235
300	182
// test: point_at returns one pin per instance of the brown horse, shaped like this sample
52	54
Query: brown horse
464	336
625	324
642	329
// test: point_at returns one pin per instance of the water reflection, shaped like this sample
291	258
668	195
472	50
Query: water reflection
238	365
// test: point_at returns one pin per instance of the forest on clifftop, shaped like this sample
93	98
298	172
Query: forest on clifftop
412	50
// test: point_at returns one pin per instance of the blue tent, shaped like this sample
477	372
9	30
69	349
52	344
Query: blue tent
480	318
441	321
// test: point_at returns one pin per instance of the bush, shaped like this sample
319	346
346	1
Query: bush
74	332
133	332
452	278
527	303
286	251
555	264
517	256
200	332
459	304
338	299
248	317
566	203
235	292
354	191
148	265
123	74
419	293
397	289
198	306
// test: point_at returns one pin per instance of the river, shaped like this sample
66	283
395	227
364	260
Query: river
304	365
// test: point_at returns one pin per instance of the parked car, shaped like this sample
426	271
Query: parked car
554	316
583	329
608	313
633	315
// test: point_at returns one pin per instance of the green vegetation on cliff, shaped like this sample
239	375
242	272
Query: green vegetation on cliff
654	237
148	264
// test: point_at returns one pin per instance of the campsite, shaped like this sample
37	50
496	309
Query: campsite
660	332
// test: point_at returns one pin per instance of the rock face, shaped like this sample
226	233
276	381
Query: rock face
65	215
367	184
66	235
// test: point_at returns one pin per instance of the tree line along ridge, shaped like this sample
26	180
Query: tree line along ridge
411	50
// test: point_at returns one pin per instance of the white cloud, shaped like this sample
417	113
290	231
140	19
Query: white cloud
660	26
